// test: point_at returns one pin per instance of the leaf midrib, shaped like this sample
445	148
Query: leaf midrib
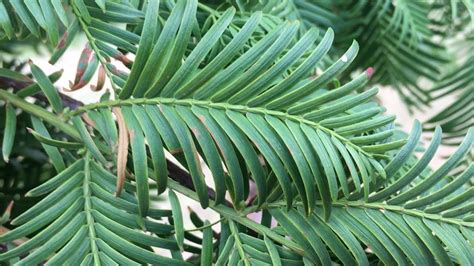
385	207
216	105
88	209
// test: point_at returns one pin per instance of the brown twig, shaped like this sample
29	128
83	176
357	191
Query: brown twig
184	178
17	85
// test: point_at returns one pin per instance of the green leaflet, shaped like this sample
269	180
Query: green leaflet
236	68
9	131
222	58
177	218
87	139
50	21
208	149
59	9
318	53
435	176
65	41
134	251
55	242
248	154
155	145
7	73
190	152
51	199
5	21
34	88
145	45
82	10
155	57
101	4
264	128
306	238
384	228
285	36
137	142
53	152
47	87
308	88
228	153
199	52
206	253
56	143
449	236
406	151
37	11
113	38
448	189
273	251
261	83
177	48
267	151
25	16
413	172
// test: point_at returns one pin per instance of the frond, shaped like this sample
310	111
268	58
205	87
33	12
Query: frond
19	19
458	117
397	37
453	15
101	21
420	216
22	18
400	45
80	220
455	119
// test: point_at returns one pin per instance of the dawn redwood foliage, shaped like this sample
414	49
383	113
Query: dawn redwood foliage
275	100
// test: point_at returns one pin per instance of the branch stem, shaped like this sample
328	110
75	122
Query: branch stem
374	205
231	214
